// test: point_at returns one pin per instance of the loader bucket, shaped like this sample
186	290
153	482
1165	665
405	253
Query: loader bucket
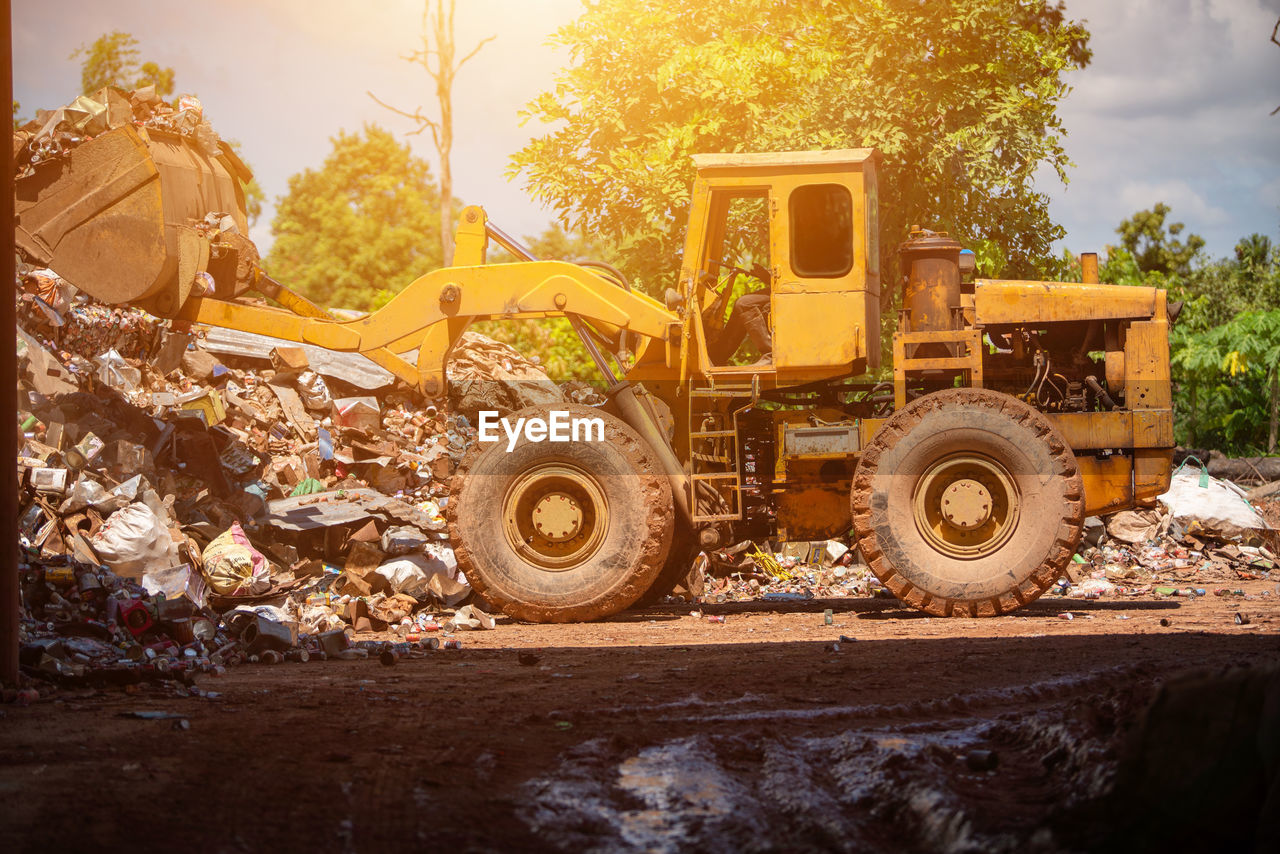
115	215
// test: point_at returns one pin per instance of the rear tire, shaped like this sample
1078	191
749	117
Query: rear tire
967	502
564	531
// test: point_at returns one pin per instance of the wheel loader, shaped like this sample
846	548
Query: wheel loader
1013	410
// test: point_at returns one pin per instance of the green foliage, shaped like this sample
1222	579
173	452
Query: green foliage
112	60
366	221
254	196
1254	250
1225	346
1154	244
959	97
1227	371
556	244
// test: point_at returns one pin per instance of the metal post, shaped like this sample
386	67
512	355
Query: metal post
1089	268
8	374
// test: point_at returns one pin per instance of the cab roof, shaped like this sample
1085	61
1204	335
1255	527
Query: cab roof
832	159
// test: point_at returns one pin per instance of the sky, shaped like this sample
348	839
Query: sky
1174	107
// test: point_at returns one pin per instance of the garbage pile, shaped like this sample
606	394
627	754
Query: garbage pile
182	512
785	572
53	132
1203	532
1203	537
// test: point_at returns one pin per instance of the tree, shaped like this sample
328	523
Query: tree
1154	244
112	60
1254	250
438	44
1223	347
958	96
366	221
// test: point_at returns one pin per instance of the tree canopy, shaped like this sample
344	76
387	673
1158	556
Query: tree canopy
959	97
1153	242
366	221
112	60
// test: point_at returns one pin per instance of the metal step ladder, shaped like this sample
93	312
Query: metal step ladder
721	468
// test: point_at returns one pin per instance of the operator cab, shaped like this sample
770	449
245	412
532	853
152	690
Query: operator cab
782	261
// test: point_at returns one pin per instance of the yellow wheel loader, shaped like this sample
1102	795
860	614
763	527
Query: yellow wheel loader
1014	409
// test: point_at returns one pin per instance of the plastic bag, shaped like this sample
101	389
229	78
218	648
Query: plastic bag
402	540
421	575
133	541
233	566
1205	506
469	617
1133	526
117	373
85	493
176	582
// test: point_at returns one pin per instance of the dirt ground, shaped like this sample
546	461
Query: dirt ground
653	731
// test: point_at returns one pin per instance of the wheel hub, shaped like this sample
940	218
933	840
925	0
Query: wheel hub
557	517
966	504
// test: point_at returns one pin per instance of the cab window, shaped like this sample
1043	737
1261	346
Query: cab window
821	231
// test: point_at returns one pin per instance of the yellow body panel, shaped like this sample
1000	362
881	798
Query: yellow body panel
1108	483
1030	303
819	330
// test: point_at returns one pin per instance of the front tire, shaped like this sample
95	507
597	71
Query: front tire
556	532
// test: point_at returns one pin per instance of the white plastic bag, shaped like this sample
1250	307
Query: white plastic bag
313	391
135	540
419	575
1215	509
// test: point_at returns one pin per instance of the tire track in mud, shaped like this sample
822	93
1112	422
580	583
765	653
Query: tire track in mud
885	777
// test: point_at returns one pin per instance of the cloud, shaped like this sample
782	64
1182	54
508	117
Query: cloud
1184	202
1175	108
1269	193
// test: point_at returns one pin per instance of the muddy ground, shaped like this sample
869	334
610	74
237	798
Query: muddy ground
654	731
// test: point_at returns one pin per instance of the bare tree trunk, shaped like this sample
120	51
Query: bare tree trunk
438	42
444	140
